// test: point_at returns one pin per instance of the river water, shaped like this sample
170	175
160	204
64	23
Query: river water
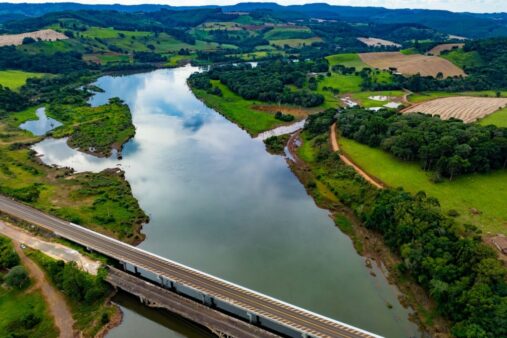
220	203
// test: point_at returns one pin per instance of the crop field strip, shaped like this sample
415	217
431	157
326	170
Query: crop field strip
412	64
437	50
374	42
43	35
466	108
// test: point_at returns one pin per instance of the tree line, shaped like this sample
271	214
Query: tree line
449	260
269	81
450	148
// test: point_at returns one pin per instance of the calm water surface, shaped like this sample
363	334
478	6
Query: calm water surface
220	203
42	125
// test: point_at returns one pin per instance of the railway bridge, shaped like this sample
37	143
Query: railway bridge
248	306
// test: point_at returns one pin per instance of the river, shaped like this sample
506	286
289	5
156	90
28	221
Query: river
220	203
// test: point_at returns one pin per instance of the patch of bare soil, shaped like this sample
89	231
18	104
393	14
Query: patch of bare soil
297	112
374	42
412	64
335	147
437	50
466	108
42	35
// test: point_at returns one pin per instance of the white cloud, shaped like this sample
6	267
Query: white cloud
452	5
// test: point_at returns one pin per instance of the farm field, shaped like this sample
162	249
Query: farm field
284	33
427	96
44	35
498	119
347	60
374	42
437	50
411	64
15	79
463	59
484	192
344	83
295	42
466	108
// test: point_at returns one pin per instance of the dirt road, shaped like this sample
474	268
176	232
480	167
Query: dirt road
51	249
54	299
347	161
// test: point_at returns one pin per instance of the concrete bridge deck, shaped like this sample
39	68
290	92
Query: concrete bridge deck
260	310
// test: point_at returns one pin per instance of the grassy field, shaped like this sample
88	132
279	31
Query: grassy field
285	33
295	42
344	83
463	59
498	119
238	110
363	98
15	79
484	192
347	60
176	60
16	305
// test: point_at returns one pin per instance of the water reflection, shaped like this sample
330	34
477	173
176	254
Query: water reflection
220	203
42	125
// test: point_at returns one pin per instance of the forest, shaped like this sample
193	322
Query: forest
450	148
269	81
460	272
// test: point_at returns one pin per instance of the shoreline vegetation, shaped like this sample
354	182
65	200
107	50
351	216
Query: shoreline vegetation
101	201
374	218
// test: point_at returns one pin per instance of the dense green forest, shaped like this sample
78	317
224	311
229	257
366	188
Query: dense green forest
450	148
448	259
269	82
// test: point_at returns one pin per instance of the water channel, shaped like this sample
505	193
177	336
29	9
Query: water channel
220	203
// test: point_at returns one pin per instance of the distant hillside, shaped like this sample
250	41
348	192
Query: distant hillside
463	24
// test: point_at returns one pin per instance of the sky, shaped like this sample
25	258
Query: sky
479	6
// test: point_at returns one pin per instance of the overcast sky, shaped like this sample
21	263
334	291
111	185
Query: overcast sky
452	5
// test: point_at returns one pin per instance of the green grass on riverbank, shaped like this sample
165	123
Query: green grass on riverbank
484	192
102	201
238	110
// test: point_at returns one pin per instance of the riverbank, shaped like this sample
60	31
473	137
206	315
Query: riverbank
328	191
101	201
252	116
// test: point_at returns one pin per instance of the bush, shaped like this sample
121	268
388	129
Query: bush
28	40
17	277
8	257
284	117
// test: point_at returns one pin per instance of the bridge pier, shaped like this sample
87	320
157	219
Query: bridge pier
208	300
253	318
